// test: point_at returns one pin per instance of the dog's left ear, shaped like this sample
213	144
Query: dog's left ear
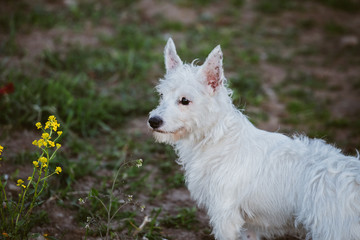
213	69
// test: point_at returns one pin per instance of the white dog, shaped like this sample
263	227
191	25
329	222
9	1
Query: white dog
252	183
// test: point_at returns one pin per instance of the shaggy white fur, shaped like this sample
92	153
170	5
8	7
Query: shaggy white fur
252	183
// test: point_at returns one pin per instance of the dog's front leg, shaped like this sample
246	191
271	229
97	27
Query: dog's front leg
227	225
225	231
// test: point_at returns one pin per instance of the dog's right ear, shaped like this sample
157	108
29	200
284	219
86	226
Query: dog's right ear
172	60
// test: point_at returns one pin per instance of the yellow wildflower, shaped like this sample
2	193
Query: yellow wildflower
1	149
23	186
58	145
55	125
51	143
45	136
35	142
29	178
36	164
59	133
58	170
19	182
40	143
52	123
38	125
44	165
43	160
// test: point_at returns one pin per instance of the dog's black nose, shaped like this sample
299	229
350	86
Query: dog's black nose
155	122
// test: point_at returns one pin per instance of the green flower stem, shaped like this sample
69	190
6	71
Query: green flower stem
3	189
1	207
47	168
36	194
44	178
24	194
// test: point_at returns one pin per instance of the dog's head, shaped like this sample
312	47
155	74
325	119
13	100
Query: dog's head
190	96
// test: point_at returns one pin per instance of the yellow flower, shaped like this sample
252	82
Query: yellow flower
23	186
51	143
19	182
52	123
1	149
38	125
58	170
35	142
59	133
58	145
44	165
29	178
43	160
39	143
45	136
55	125
36	164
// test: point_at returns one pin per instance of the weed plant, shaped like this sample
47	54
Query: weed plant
16	214
111	203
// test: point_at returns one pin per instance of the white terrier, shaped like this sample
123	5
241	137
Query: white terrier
252	183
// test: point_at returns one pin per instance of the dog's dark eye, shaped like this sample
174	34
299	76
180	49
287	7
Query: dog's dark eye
184	101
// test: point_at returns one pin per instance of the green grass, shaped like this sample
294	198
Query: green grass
38	14
87	88
246	88
74	98
334	28
276	6
184	219
344	5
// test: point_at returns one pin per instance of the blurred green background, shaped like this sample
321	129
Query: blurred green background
293	66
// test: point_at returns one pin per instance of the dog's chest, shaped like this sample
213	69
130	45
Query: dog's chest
211	179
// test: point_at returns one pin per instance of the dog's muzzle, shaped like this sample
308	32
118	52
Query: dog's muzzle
155	122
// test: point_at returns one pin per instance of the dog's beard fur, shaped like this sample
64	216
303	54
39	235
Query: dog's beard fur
170	137
251	182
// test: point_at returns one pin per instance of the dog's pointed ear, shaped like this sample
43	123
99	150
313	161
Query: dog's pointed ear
172	60
213	69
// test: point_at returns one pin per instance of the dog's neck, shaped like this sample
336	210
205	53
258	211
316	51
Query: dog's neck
225	126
